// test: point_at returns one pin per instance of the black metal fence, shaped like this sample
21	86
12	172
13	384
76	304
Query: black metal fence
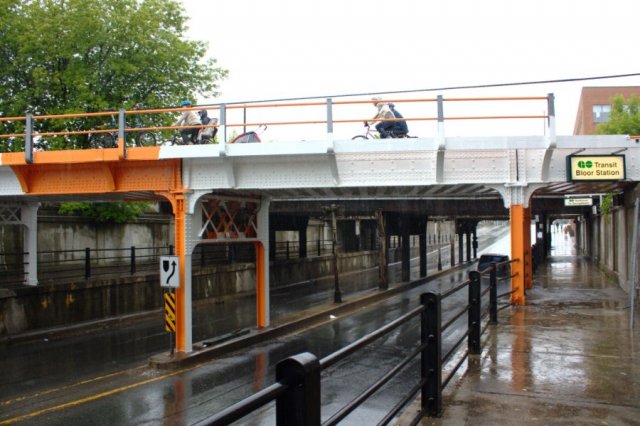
13	269
291	249
78	264
87	263
296	392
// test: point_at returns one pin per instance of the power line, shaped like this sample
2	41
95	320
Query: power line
434	89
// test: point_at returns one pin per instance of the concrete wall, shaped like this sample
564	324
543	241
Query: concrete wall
29	308
59	304
611	238
59	234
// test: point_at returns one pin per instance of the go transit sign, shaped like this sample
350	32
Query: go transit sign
596	168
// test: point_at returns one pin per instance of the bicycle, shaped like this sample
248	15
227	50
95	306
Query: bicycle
374	134
103	140
110	139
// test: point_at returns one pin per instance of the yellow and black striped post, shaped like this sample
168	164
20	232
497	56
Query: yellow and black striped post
170	317
170	311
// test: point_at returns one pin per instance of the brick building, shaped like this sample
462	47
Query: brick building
595	105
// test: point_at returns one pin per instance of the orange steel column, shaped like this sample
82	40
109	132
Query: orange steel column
517	218
179	211
261	293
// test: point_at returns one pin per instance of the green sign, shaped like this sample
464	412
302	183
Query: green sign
596	167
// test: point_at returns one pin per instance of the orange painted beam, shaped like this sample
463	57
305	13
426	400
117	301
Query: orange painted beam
261	293
179	213
178	203
100	177
517	213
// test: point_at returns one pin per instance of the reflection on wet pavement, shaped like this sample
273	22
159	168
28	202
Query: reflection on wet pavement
567	357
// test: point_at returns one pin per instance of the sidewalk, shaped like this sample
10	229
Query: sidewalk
567	357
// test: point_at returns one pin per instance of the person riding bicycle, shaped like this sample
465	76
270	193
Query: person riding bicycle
207	133
383	127
400	128
188	118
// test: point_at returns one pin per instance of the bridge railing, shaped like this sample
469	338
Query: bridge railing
297	394
318	118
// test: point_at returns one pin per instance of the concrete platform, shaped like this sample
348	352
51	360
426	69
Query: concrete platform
569	357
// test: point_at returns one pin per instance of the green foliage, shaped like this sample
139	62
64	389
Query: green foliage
64	56
606	206
232	136
105	212
624	118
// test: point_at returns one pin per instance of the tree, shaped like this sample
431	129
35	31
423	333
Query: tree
64	56
73	56
105	212
624	118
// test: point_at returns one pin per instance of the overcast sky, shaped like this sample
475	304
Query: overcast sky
297	48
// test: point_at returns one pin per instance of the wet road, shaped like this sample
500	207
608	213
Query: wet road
101	378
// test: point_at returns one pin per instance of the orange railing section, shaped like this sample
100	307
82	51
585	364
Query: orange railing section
16	132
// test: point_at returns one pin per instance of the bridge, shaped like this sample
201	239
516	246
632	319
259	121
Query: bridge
223	192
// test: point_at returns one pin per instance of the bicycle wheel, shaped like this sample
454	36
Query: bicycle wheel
103	140
359	137
146	139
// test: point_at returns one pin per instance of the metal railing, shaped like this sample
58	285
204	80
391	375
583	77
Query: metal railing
13	269
59	266
21	131
494	297
93	262
291	249
296	392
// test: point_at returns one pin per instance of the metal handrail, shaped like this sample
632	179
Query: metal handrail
455	289
463	311
306	390
245	406
339	355
72	263
357	401
328	119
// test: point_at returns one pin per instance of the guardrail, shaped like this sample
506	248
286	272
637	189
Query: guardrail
59	265
91	262
494	297
20	132
13	269
296	392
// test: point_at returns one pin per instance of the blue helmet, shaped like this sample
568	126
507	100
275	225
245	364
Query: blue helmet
184	103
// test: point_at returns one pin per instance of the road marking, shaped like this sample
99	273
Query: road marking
48	391
93	397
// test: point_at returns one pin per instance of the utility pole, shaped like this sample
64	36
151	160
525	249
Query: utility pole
439	246
337	294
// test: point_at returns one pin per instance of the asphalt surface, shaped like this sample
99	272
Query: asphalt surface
103	377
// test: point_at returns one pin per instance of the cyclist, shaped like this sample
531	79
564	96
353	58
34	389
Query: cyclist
207	133
188	118
383	127
400	128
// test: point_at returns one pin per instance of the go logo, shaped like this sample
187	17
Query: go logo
585	164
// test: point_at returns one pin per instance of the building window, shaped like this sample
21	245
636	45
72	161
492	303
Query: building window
601	113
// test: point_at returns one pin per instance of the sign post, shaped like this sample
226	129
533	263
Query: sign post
170	280
169	271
